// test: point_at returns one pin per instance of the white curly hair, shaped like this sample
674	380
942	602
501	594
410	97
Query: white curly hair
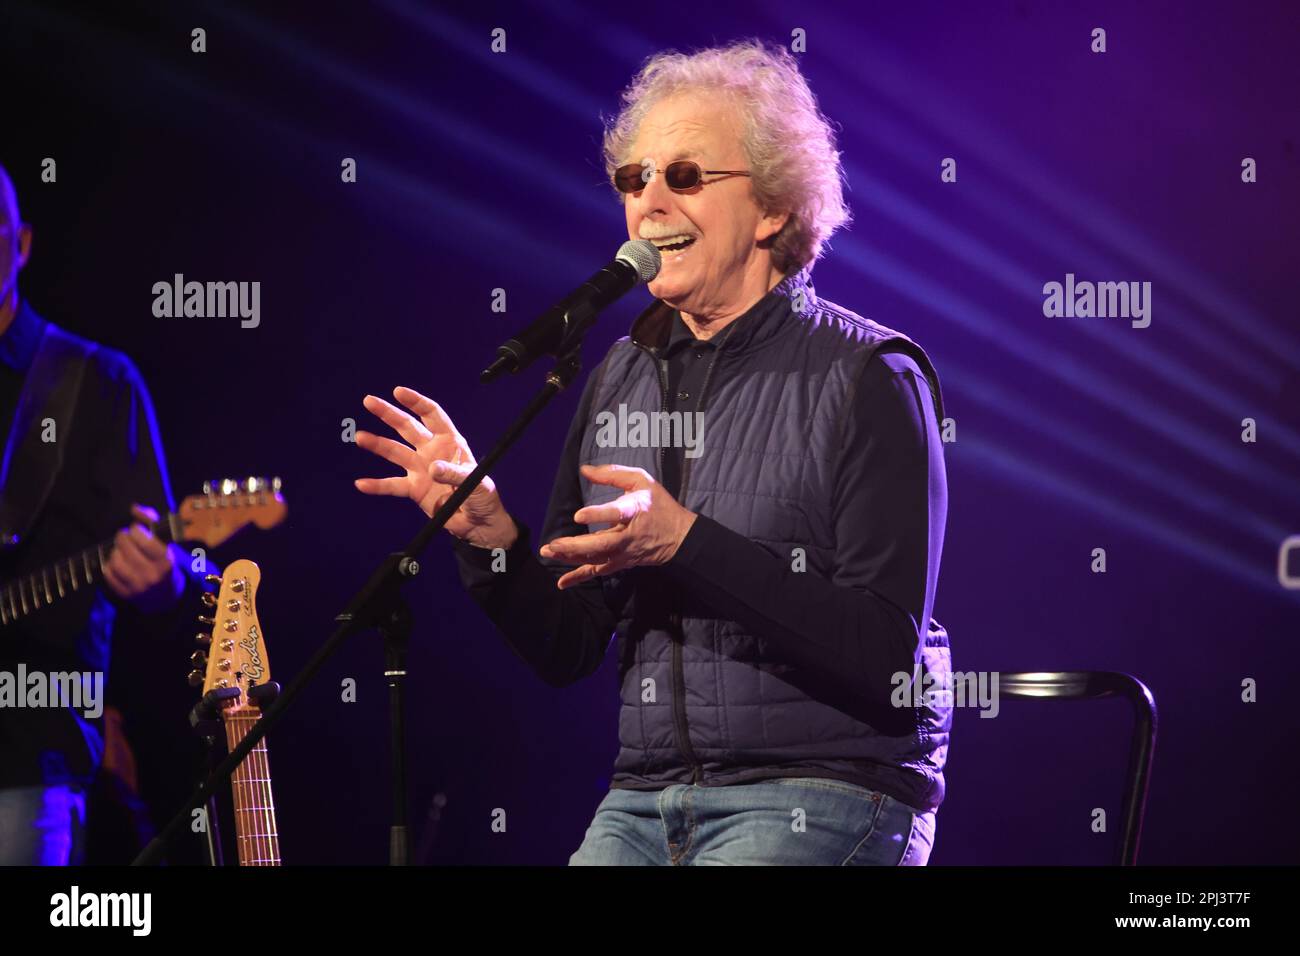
789	143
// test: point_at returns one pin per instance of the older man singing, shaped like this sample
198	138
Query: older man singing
771	591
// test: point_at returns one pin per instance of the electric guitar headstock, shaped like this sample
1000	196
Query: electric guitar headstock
236	680
225	507
235	655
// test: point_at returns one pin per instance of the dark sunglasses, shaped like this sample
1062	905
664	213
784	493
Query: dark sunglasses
680	176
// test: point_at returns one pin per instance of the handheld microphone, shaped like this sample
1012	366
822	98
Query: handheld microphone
637	261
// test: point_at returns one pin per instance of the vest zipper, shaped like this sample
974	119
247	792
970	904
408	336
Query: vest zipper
679	679
680	726
704	391
661	366
681	729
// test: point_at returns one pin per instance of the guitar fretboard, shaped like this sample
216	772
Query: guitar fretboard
31	592
256	837
210	518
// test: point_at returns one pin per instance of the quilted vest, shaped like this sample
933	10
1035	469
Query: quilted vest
703	700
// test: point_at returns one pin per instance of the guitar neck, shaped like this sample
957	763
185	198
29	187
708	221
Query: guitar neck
50	584
256	836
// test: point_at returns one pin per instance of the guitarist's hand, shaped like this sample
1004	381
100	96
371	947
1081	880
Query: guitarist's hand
141	568
436	458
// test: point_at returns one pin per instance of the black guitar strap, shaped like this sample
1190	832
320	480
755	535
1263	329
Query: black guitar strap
45	411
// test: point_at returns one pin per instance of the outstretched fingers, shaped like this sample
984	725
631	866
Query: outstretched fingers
403	456
430	412
580	575
397	487
598	546
399	421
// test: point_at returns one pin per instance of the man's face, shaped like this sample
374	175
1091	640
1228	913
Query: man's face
720	215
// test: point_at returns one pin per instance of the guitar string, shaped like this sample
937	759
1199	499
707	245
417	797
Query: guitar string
232	734
252	831
258	782
243	828
268	805
268	801
248	832
254	810
273	836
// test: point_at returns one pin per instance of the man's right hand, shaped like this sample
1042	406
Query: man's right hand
437	459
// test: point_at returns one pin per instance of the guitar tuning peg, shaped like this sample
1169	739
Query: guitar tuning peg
229	486
209	621
209	599
212	578
203	639
199	659
207	488
196	678
275	484
252	485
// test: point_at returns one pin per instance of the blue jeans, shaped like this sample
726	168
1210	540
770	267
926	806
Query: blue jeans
791	821
42	826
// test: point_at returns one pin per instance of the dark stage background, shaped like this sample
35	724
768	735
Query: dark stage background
479	171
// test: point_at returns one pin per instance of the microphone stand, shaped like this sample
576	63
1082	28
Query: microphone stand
379	605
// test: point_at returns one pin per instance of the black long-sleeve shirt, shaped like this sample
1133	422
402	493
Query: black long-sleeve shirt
864	623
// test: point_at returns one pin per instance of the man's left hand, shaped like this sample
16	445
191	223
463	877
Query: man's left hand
141	568
648	526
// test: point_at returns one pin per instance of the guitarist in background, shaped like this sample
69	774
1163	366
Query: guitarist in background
57	498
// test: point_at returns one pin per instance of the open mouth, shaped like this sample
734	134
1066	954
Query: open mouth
672	244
